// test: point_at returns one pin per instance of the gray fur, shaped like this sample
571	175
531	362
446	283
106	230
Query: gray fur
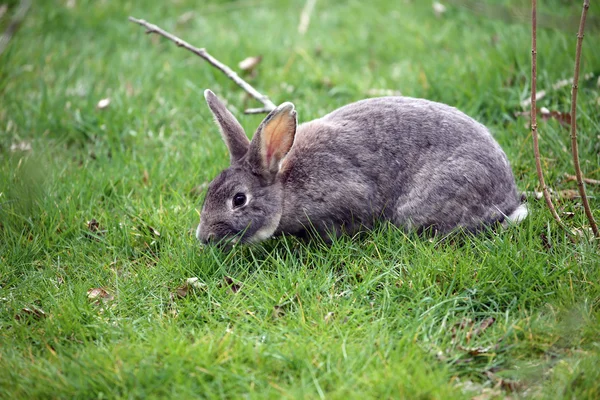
420	164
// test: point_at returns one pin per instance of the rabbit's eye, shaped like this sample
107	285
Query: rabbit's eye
239	200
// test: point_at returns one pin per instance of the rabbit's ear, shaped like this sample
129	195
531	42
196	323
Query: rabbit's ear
273	140
231	130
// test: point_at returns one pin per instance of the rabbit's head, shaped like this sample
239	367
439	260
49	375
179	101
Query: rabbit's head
244	202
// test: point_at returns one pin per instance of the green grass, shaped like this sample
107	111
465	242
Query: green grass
382	315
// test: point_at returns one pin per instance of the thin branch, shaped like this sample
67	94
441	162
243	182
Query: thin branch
14	24
305	16
268	104
575	151
534	132
589	181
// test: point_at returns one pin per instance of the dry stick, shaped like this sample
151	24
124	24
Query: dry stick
268	104
588	181
575	151
534	133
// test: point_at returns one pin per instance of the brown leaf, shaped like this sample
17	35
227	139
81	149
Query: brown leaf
483	325
190	283
93	225
182	290
563	118
545	241
568	194
99	295
145	177
278	311
232	285
506	384
248	64
35	312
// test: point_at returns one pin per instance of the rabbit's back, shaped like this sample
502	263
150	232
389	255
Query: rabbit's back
413	161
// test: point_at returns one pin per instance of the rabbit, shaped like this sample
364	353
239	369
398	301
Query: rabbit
422	165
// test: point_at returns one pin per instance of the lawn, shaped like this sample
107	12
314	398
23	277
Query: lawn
98	206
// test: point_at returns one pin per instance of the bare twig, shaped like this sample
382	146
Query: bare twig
268	104
534	133
589	181
575	151
14	24
305	16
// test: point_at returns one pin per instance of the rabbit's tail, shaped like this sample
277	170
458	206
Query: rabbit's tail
517	216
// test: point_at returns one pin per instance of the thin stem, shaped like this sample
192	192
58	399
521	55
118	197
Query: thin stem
574	148
268	104
534	131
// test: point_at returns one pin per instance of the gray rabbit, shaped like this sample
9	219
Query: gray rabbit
419	164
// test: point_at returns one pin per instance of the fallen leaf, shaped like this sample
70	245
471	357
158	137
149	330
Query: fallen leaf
34	312
583	233
20	146
565	82
145	177
278	311
569	194
190	283
545	242
475	351
248	64
438	9
538	95
563	118
102	104
328	317
182	291
93	225
153	231
99	295
232	285
506	384
483	325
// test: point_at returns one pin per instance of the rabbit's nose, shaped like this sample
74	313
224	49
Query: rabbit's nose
203	236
